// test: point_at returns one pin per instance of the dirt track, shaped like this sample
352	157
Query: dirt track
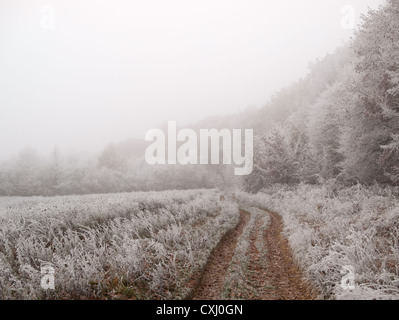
271	275
283	273
212	279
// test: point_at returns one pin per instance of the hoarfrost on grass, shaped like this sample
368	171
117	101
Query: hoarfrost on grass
133	245
331	226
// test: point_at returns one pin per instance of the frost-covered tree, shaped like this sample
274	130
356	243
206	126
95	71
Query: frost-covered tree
373	119
26	173
275	160
324	129
391	155
6	187
56	180
112	160
325	72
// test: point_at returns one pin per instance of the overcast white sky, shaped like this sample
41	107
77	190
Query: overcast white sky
110	70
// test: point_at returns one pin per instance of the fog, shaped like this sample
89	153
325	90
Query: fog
80	74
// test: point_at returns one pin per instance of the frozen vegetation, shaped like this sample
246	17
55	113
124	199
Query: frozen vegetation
133	245
331	226
326	158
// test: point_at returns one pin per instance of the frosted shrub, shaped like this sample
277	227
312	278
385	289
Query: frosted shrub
137	245
331	226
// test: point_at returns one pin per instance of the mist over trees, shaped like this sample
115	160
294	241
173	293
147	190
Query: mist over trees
340	122
111	171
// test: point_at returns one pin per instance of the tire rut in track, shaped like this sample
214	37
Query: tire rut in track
258	266
283	274
273	274
212	279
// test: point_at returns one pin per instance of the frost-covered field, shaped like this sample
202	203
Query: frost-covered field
133	245
330	227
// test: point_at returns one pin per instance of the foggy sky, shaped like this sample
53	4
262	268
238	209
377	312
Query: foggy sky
111	70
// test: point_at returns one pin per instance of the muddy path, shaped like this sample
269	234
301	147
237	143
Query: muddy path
211	282
284	275
271	273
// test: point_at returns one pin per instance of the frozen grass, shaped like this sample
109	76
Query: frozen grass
236	283
331	226
133	245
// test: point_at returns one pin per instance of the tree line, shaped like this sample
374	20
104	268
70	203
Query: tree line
341	121
29	174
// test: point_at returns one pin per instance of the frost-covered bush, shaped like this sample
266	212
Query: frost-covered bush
133	245
330	227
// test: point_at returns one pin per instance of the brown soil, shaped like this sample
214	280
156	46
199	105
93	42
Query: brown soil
283	274
211	282
258	269
272	273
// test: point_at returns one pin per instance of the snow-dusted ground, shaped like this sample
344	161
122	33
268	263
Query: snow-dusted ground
330	227
132	245
152	245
